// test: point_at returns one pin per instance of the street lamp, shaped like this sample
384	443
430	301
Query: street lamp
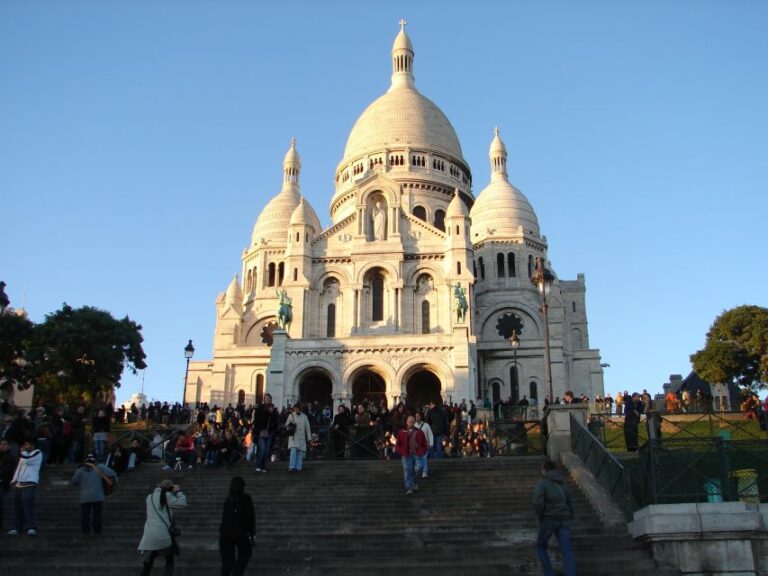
514	341
189	351
542	278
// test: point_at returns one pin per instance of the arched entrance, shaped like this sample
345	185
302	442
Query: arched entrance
422	388
369	386
316	386
240	397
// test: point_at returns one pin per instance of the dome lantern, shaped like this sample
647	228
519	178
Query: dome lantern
402	58
498	156
292	165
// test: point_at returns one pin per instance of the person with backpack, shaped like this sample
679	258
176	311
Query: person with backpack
238	527
91	477
553	503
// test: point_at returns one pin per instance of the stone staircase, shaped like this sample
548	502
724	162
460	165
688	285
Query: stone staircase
472	516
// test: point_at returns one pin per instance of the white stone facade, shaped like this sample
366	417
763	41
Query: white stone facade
374	295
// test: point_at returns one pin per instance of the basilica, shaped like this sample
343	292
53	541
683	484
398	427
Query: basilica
418	290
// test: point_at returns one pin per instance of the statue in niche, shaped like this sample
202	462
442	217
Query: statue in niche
379	217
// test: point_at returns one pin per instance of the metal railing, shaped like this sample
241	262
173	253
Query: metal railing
700	469
608	471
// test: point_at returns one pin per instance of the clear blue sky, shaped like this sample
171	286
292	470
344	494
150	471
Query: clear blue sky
140	140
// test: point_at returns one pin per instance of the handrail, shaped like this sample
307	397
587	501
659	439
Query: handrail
605	467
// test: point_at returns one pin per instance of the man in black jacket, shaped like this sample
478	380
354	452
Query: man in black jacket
553	504
437	422
238	526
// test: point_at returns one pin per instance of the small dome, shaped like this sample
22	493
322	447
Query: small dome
234	293
457	208
402	42
500	209
305	214
273	221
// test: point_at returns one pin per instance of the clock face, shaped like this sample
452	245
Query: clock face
507	324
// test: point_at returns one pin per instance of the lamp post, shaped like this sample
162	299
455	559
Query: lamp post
542	278
514	341
189	351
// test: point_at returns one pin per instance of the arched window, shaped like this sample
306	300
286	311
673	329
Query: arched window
295	274
440	220
514	385
271	274
249	281
482	268
530	265
280	273
330	331
377	298
533	391
458	267
425	328
500	265
511	268
259	388
474	269
420	212
573	306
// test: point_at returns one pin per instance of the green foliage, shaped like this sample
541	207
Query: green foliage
736	349
84	351
16	333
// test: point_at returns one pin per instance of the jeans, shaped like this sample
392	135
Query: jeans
265	445
100	446
2	501
422	462
24	507
230	566
437	449
86	511
296	461
410	469
562	531
75	451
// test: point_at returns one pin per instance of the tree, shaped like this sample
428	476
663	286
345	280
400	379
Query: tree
736	349
84	351
16	334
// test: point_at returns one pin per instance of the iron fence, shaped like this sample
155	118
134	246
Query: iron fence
700	469
608	471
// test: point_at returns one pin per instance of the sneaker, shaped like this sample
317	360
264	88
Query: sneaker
415	487
190	467
166	468
259	470
31	532
424	476
408	492
13	532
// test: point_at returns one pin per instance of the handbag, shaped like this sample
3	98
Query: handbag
108	486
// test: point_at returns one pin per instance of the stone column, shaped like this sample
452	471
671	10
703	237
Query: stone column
557	418
275	384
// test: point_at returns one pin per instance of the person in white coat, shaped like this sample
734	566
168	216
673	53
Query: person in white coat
24	483
297	443
422	425
156	540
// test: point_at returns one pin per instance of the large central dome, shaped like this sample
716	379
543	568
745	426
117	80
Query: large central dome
402	116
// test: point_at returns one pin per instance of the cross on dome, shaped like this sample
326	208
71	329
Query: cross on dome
403	22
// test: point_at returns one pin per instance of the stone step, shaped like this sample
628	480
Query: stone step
335	518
